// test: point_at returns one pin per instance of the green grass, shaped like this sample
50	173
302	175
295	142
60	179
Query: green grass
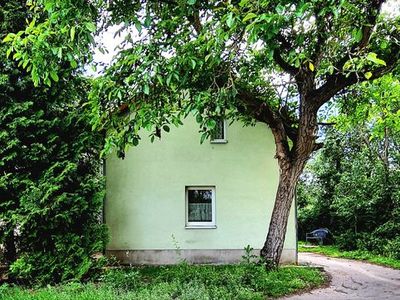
179	282
333	251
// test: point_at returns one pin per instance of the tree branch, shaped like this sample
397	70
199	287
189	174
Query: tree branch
284	65
326	123
336	83
195	21
284	45
318	146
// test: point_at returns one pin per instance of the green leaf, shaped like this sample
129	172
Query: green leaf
72	33
373	58
211	124
199	118
25	63
357	35
47	81
191	2
9	37
146	89
230	20
73	63
147	21
35	78
384	45
203	137
243	3
368	75
9	50
90	26
54	76
249	16
280	9
169	79
138	26
193	62
160	79
166	128
347	65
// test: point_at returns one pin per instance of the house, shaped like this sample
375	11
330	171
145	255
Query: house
178	199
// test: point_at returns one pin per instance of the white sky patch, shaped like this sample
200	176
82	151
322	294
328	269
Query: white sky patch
392	8
110	42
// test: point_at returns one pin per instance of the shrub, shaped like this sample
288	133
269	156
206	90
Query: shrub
51	189
369	242
347	241
392	248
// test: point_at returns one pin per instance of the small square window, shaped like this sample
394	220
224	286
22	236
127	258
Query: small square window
218	136
200	207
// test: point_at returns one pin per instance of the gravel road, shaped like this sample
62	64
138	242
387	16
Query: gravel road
352	280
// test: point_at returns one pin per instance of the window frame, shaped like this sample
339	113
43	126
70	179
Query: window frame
189	224
224	140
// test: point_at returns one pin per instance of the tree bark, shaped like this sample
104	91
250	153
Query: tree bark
273	245
291	163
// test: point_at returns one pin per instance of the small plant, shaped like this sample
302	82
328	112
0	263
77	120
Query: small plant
178	250
248	257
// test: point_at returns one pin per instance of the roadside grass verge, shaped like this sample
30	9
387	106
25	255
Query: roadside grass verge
242	281
333	251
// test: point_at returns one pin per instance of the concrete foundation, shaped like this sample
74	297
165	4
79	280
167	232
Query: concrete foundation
195	256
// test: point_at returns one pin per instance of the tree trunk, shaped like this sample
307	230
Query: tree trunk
273	245
291	163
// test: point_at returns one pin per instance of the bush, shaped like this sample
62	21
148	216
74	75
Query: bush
347	241
368	242
373	243
392	248
51	189
388	230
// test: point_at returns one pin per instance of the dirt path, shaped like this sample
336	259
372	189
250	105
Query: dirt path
352	279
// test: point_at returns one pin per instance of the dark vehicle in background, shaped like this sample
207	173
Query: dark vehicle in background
322	236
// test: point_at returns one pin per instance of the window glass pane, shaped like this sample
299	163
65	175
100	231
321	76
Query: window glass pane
200	205
218	132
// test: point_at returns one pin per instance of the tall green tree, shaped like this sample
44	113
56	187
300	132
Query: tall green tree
276	62
51	189
352	185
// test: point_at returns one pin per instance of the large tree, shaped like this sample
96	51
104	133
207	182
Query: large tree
51	189
271	61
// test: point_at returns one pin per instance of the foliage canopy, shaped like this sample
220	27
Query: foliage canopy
51	190
352	185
